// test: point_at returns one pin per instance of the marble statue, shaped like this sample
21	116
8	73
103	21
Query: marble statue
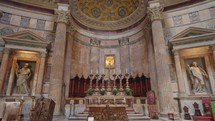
197	75
23	74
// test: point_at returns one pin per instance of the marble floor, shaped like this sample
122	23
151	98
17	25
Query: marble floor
63	118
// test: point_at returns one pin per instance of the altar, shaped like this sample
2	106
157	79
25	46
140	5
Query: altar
108	112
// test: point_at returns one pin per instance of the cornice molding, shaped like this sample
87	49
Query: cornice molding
47	4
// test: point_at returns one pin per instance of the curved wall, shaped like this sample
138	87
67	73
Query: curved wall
88	54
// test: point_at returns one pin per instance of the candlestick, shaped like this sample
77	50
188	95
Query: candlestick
91	71
32	107
124	100
126	70
114	100
22	97
114	71
20	109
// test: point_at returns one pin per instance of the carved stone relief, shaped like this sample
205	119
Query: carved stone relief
25	21
194	17
95	42
5	18
211	26
177	20
6	30
40	24
124	41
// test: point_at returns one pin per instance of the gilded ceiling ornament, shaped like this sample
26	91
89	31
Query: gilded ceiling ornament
62	16
155	13
108	10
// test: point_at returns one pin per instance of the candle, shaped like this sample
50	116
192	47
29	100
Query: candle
114	100
33	93
22	98
126	70
103	72
114	71
91	71
124	100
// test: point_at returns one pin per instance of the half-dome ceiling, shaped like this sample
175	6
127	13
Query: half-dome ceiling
108	10
108	15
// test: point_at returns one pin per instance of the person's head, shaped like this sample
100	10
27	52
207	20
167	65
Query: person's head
26	65
194	64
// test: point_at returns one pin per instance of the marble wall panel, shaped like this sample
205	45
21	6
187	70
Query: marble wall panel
15	20
33	23
80	59
40	24
204	14
94	59
212	12
49	26
84	60
139	63
25	21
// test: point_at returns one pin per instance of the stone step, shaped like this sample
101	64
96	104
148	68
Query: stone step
134	114
75	118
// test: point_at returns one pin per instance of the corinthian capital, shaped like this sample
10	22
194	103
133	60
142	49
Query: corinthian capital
62	16
155	13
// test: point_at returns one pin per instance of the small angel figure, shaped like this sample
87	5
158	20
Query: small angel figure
197	75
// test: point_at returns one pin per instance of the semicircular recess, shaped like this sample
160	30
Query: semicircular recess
108	10
108	15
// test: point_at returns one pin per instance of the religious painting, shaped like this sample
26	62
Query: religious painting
197	75
110	61
151	99
24	73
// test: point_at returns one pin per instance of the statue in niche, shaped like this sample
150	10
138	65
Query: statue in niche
23	74
197	76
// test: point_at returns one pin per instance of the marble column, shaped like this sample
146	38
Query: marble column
3	67
211	70
40	74
67	74
151	59
166	102
181	85
213	51
57	69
